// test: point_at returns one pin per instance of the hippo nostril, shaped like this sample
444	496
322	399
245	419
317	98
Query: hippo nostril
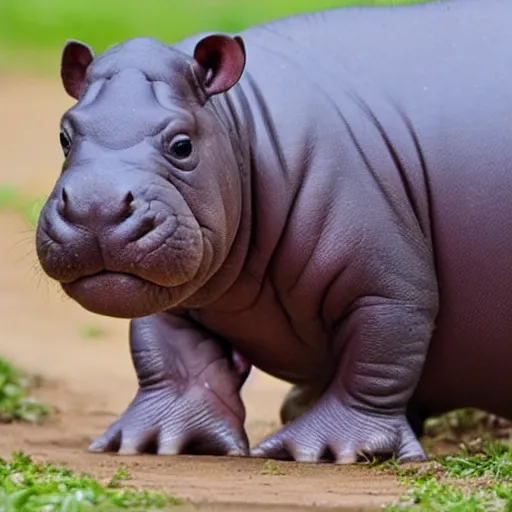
128	199
127	206
63	204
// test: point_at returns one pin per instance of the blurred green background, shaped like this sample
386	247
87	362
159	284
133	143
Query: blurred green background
33	31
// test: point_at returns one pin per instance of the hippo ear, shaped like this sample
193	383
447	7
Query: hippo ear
75	60
221	59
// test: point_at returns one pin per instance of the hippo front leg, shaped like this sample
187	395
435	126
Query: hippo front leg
364	410
189	393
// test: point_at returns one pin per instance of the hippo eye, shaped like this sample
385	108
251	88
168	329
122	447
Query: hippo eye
181	147
65	143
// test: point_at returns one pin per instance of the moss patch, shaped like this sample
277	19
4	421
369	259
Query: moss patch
30	487
16	403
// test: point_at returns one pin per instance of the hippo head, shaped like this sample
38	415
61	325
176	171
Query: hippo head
148	203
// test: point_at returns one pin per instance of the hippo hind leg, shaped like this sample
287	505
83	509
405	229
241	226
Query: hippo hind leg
299	400
365	410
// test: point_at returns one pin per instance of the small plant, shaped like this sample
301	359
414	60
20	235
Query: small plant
16	403
271	468
92	332
30	487
121	475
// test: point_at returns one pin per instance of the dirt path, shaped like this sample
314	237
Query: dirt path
91	380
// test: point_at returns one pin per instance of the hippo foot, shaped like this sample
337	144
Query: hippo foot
158	422
189	393
332	431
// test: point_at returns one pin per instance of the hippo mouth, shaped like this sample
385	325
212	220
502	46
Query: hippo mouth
122	271
107	279
116	294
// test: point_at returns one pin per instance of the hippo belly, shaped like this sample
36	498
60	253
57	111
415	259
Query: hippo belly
298	351
471	349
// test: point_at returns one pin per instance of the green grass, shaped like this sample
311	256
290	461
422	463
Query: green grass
31	27
480	482
16	403
27	486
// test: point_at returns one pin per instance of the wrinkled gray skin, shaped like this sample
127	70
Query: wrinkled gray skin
327	198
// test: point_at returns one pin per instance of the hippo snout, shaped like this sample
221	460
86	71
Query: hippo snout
113	205
102	235
115	215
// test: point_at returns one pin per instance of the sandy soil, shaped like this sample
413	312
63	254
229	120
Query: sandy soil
90	381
